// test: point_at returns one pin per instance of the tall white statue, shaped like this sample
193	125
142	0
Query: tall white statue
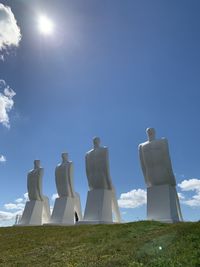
64	175
37	209
34	182
67	208
101	199
162	199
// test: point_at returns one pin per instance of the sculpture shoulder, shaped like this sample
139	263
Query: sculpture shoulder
31	172
164	143
63	165
103	149
97	150
164	140
89	152
154	143
142	145
34	172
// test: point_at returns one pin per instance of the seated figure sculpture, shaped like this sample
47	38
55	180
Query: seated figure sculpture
34	182
162	199
101	199
64	177
37	209
67	208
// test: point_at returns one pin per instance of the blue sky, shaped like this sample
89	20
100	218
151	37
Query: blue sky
110	69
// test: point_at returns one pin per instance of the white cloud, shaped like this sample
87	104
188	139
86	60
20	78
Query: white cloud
2	158
194	201
194	186
8	216
14	206
54	196
10	31
133	199
191	184
26	198
19	200
6	103
18	204
181	196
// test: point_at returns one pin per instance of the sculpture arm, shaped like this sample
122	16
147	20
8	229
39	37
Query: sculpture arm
108	177
142	164
56	180
39	183
87	171
29	187
71	178
168	162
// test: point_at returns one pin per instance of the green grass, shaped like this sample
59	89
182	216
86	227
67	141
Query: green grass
127	245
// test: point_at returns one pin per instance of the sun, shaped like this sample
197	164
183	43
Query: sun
45	25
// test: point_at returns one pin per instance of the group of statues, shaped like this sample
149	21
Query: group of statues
101	200
101	206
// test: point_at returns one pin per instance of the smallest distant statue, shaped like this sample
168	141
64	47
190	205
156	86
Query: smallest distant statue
37	209
101	199
67	208
162	199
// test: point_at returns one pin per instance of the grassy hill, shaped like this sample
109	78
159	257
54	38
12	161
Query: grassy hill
127	245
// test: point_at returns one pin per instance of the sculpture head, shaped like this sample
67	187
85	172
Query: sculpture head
36	164
64	157
151	134
96	142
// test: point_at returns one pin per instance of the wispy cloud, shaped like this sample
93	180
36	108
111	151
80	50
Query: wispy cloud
14	206
18	204
2	158
25	197
19	200
181	196
10	31
7	216
133	199
6	103
190	185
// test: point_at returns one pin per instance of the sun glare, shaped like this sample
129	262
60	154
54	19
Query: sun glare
45	25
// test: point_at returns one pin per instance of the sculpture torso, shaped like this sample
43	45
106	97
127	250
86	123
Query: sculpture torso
34	184
64	179
156	163
97	168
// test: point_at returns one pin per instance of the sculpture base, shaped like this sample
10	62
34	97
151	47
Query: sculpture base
98	207
35	213
77	206
163	204
93	222
63	211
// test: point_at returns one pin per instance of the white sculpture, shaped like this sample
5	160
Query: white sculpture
101	199
67	208
162	199
37	209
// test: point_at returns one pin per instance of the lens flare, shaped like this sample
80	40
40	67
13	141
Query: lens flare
45	25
